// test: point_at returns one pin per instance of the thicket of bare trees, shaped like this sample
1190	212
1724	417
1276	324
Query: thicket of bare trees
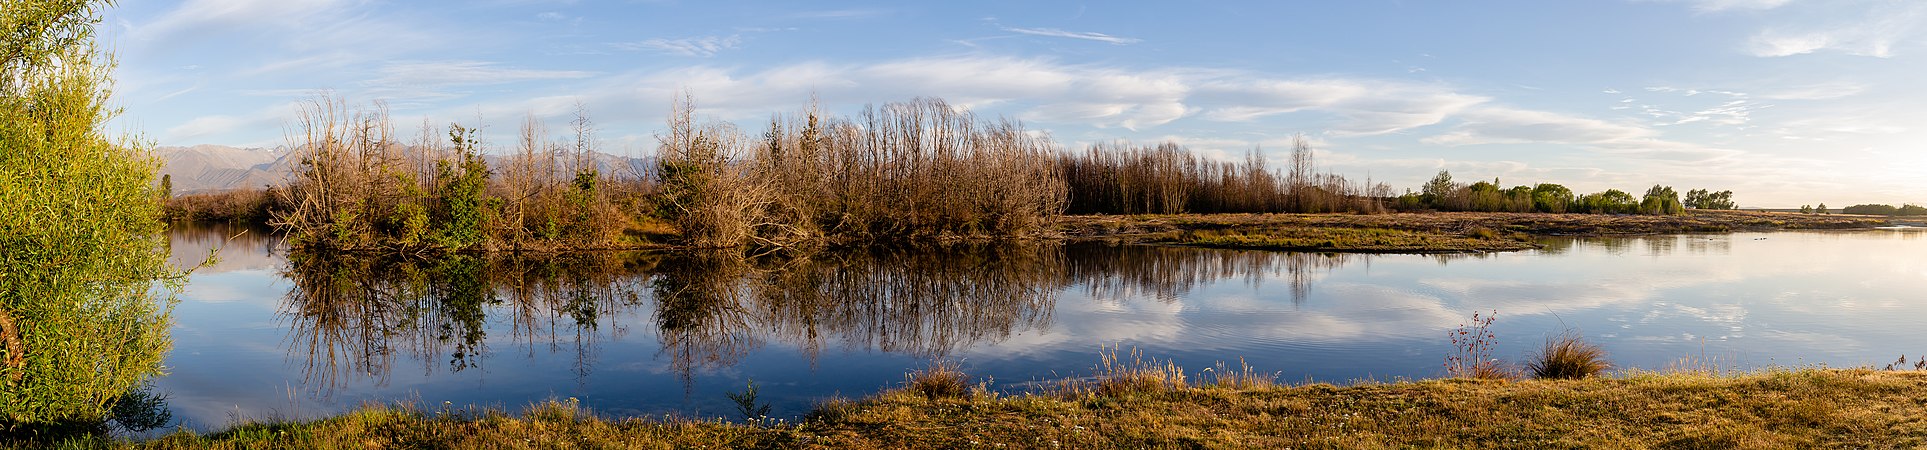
356	186
921	169
1120	178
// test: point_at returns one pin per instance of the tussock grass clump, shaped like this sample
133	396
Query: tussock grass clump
1132	373
1568	357
941	380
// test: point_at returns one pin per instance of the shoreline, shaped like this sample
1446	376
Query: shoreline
1389	233
1143	408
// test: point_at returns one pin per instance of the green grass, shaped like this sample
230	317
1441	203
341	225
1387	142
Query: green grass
1142	405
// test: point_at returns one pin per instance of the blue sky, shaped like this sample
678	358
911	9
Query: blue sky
1785	102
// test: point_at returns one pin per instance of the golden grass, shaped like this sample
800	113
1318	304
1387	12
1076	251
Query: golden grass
1768	409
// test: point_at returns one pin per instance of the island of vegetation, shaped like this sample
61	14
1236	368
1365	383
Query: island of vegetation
913	172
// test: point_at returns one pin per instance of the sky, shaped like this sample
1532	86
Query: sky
1784	102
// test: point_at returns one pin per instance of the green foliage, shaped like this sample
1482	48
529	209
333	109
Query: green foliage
746	403
1703	199
80	228
1612	201
1661	200
1871	209
1806	209
1911	210
1551	198
1440	186
1822	209
463	206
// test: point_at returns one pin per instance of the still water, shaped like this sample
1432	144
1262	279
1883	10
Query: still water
261	335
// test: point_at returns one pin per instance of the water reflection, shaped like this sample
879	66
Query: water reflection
646	334
351	318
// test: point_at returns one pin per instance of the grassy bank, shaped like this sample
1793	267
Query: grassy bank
1426	232
1775	408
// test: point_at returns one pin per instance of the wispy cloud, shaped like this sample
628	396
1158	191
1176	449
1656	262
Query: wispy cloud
840	14
1730	5
1504	125
705	46
1824	91
444	73
1085	35
195	15
1874	34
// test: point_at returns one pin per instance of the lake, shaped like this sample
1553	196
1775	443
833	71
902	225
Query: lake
261	336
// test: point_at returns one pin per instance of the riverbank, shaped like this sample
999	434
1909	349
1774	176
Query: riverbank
1773	408
1424	232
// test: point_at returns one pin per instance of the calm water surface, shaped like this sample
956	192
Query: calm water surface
261	336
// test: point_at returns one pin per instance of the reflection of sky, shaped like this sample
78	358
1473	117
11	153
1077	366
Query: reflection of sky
1840	298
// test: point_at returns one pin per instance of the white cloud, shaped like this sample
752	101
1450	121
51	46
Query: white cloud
705	46
1874	34
1365	107
1085	35
1500	125
1042	90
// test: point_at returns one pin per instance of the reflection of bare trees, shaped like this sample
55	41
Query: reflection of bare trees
917	302
352	317
700	309
1168	273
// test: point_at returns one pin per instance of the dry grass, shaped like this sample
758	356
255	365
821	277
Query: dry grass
943	379
1567	357
1806	408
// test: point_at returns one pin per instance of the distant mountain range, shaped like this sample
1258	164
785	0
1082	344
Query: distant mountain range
214	168
208	168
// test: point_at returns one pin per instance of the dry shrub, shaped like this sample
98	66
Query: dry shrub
1472	351
705	187
1567	357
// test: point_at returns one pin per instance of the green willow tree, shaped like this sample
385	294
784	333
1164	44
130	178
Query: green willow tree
80	231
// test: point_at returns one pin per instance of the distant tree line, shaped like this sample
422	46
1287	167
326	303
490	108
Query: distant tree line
1444	194
1908	209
